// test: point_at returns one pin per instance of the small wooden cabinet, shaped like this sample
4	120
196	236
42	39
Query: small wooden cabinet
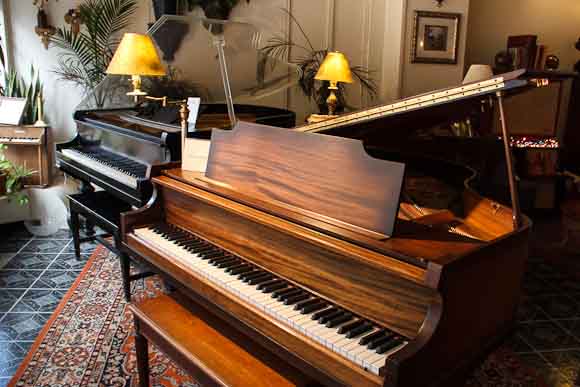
30	146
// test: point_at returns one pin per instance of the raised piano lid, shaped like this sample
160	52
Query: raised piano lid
186	46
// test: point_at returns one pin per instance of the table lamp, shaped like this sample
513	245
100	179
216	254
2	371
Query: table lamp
136	56
334	68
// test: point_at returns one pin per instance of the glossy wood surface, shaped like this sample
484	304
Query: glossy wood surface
207	347
375	291
412	245
304	351
329	176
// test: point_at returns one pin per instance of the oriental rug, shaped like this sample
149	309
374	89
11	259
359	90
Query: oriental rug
89	341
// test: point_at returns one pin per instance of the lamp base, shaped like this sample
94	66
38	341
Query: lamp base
315	118
137	93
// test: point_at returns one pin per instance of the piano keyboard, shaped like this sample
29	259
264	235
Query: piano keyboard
115	166
354	338
20	140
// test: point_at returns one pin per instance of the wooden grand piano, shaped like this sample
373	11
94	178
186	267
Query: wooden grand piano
288	243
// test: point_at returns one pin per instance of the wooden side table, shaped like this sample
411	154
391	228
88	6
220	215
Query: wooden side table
208	349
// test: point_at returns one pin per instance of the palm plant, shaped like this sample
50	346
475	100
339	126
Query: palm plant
309	62
85	56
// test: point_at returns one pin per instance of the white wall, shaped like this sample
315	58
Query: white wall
26	49
362	29
419	78
556	22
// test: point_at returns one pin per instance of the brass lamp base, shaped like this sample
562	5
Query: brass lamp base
315	118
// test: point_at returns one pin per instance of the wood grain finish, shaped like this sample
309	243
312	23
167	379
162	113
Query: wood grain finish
303	352
375	292
207	348
413	245
36	156
330	176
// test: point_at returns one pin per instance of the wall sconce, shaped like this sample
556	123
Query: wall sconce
73	17
43	29
439	3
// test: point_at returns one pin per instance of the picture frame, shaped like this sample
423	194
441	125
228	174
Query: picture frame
435	37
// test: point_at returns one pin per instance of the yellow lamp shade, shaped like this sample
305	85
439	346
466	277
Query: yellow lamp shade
136	55
334	68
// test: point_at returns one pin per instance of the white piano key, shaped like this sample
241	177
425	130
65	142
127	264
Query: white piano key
328	337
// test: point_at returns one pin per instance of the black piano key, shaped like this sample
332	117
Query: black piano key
265	284
345	317
273	287
325	313
241	264
226	264
251	275
314	307
328	317
235	267
213	254
246	269
203	250
373	336
259	280
347	327
389	345
287	295
302	304
361	329
380	341
297	298
283	292
217	260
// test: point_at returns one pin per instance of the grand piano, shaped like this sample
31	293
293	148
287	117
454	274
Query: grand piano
121	143
295	241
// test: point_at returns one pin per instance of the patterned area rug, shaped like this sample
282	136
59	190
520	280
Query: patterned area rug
89	341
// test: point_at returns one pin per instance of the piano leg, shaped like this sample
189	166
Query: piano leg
74	224
126	274
141	349
89	226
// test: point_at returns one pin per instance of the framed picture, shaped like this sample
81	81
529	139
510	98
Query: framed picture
436	37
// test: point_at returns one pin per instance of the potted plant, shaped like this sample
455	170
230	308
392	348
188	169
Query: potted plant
309	62
12	179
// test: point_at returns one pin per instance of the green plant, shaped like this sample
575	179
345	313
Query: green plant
15	86
14	178
85	56
309	62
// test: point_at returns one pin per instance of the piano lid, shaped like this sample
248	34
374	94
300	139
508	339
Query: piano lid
187	46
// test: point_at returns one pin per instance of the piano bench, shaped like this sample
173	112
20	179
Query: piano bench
208	349
104	210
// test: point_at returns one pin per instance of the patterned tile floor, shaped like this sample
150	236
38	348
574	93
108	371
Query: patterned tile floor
36	272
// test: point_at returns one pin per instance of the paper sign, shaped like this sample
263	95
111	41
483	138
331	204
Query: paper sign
11	110
193	106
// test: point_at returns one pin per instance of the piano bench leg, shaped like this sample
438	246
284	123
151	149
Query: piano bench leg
75	229
141	349
125	274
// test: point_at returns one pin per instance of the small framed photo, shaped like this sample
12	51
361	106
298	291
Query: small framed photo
436	37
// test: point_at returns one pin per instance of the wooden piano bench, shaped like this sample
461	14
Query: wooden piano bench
208	349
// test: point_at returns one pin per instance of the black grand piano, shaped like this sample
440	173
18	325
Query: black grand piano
121	143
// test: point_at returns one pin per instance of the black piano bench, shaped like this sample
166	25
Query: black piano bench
104	210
